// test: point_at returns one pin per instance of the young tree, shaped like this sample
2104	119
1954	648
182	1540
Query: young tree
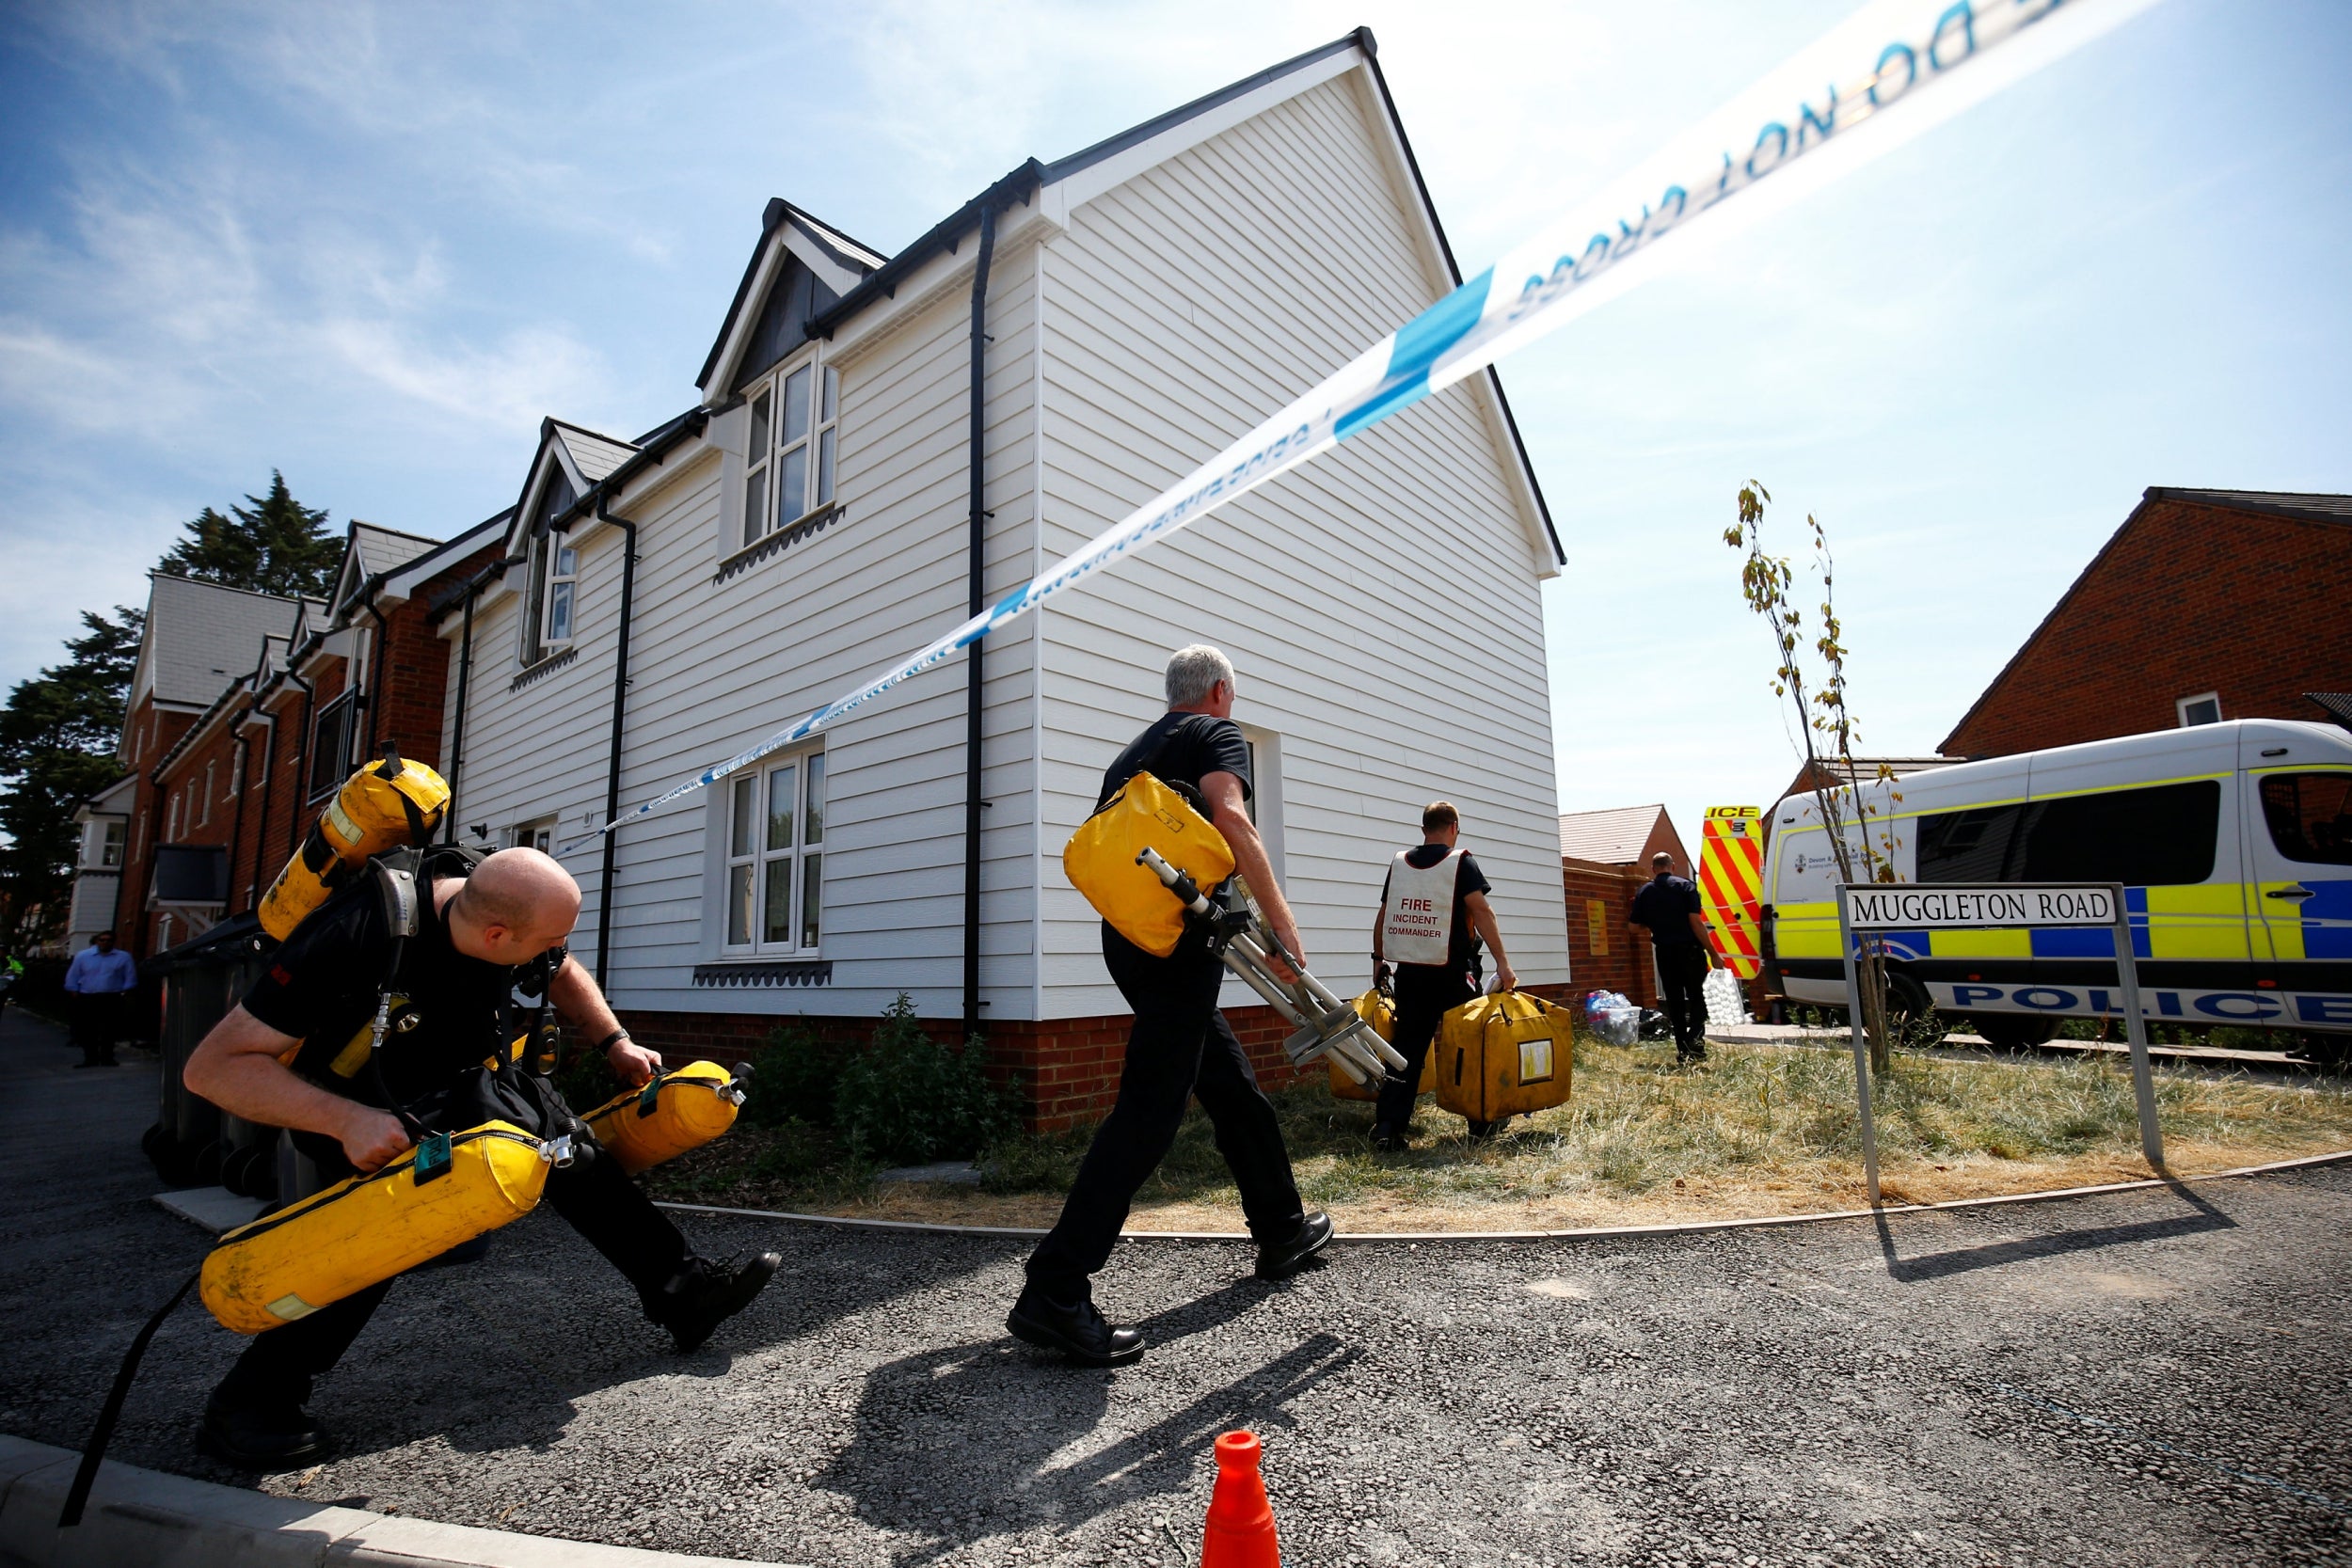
57	736
275	545
1825	722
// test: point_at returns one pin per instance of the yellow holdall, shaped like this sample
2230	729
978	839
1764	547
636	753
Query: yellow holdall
1378	1010
362	1232
1100	861
1504	1056
674	1113
383	806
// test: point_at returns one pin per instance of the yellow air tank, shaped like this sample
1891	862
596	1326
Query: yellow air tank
1504	1056
1100	861
362	1232
383	806
677	1112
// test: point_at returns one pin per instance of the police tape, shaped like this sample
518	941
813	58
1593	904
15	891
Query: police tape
1875	68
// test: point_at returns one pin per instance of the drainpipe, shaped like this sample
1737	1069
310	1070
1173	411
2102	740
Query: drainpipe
465	670
972	664
377	659
613	766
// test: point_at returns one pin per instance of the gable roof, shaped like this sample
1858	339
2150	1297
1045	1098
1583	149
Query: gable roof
1610	837
2303	505
593	455
839	263
1026	183
199	636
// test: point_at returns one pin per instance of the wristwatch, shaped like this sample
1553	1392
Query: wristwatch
606	1044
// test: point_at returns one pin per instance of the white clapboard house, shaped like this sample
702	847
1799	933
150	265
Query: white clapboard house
812	519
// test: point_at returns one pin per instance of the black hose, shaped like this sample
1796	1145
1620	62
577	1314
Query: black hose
77	1496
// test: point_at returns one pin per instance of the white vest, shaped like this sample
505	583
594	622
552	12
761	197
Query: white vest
1417	920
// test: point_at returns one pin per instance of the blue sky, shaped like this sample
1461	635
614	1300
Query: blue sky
373	245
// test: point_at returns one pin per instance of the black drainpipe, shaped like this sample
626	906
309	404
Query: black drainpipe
376	659
979	561
612	767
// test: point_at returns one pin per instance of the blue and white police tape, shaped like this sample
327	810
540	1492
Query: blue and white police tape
1875	68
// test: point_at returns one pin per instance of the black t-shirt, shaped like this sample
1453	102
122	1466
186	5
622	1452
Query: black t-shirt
1181	749
322	987
1666	906
1467	879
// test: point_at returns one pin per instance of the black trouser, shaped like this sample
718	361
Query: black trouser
1180	1047
596	1199
1424	993
97	1025
1683	978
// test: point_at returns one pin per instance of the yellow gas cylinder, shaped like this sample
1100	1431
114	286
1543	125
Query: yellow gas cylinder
384	805
360	1232
1504	1056
1379	1008
677	1112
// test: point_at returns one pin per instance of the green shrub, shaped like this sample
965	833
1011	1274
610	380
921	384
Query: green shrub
795	1077
907	1100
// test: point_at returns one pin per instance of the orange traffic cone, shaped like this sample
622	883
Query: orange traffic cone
1240	1532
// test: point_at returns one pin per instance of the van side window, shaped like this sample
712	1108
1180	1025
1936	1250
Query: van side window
2156	837
2309	816
1971	846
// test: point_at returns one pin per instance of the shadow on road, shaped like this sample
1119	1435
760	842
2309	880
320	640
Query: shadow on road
1993	1255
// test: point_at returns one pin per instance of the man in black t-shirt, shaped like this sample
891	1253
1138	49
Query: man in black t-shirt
1433	914
296	1053
1670	907
1180	1047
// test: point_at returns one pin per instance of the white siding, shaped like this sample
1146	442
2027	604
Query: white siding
1381	606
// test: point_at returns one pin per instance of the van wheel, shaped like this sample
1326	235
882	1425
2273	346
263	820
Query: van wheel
1907	1003
2012	1031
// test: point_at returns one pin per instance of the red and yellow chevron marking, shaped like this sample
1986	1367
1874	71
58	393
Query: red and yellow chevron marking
1731	885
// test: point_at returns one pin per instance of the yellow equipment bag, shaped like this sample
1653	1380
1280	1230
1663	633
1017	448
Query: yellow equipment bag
360	1232
1100	861
676	1111
1504	1056
1376	1008
381	807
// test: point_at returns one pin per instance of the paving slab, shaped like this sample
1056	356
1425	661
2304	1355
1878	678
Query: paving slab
212	1209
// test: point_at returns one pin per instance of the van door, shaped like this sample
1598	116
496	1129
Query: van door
2298	836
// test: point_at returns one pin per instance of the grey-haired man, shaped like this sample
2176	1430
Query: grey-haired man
1180	1047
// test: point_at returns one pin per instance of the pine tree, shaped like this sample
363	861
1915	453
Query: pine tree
275	544
57	736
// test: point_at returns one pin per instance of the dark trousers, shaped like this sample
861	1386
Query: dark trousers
1424	993
97	1025
1682	977
596	1199
1180	1047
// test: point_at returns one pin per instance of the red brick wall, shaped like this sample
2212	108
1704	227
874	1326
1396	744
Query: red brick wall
2187	597
1624	966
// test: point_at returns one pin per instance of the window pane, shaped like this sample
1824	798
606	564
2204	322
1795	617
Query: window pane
2309	816
2204	711
792	485
824	470
2157	837
778	927
1967	845
814	817
811	882
740	835
739	904
560	614
781	797
755	506
795	407
566	561
758	450
826	414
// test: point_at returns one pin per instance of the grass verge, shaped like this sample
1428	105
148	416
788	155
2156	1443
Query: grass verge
1762	1130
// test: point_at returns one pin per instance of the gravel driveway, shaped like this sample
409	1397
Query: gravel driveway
2153	1378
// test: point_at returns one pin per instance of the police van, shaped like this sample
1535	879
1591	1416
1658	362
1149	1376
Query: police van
2232	841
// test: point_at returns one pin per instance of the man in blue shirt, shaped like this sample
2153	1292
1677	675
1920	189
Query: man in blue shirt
97	980
1669	906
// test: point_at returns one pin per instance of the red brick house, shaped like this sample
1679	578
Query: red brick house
2205	605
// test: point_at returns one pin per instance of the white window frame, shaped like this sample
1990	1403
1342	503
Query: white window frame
750	860
769	445
559	560
236	767
538	833
171	825
204	801
2182	705
114	842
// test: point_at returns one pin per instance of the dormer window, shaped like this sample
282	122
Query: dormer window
789	458
554	573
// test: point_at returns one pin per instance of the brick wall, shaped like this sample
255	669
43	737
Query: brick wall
2187	597
1620	960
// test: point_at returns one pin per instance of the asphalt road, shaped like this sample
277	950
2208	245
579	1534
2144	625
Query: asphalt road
2147	1379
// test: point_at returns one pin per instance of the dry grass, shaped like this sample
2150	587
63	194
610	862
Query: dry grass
1761	1129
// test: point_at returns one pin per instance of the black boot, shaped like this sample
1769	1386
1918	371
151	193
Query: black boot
1283	1260
260	1437
1076	1329
704	1294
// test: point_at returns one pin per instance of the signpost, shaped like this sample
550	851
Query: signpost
1871	907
